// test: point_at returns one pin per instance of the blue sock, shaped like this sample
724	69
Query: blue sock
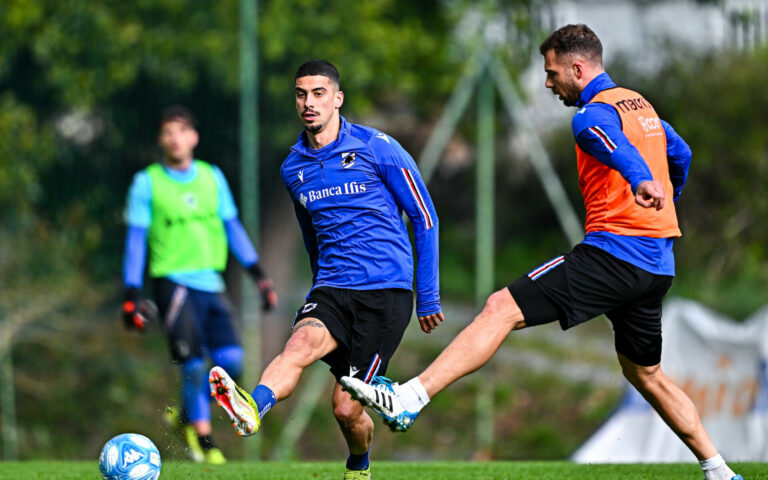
195	392
358	462
230	358
265	399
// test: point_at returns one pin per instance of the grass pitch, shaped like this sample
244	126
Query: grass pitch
46	470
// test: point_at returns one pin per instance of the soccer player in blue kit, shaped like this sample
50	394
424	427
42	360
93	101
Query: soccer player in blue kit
349	185
182	209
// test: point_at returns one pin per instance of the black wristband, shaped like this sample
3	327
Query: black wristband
131	294
257	273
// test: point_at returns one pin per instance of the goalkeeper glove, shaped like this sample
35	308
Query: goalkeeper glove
134	311
265	285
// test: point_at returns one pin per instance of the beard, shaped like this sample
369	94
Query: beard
316	128
570	94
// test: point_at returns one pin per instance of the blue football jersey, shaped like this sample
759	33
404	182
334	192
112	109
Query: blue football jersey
349	197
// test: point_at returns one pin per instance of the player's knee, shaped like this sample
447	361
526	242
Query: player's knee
501	309
297	346
493	305
642	378
347	412
301	346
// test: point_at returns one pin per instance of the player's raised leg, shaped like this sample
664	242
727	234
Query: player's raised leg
476	344
471	349
309	342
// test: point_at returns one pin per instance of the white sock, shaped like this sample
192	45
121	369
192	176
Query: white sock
413	395
715	468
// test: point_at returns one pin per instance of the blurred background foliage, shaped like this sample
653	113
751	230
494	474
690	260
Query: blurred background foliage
81	85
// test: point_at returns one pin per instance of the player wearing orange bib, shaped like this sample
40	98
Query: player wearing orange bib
632	166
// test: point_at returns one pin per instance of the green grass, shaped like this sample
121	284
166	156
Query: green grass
46	470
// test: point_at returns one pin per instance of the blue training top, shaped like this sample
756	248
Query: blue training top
654	255
138	216
349	197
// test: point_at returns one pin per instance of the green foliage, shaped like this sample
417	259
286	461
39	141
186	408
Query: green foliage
392	56
26	149
87	51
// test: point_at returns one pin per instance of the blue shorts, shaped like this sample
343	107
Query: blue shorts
195	322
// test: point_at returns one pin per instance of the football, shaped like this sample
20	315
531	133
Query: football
129	456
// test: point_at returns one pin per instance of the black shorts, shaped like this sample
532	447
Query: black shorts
588	282
195	322
367	324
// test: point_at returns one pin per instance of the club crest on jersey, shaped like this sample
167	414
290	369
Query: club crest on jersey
308	307
301	176
348	159
190	200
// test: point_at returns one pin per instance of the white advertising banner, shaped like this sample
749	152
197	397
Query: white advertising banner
721	365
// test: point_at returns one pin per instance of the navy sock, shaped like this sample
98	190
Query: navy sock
265	399
358	462
195	392
206	442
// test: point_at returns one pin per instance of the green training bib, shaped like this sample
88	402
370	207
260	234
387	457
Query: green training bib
186	233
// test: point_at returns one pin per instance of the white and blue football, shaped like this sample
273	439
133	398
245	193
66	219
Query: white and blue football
129	456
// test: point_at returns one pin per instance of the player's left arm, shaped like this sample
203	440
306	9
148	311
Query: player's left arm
399	173
678	158
239	243
597	130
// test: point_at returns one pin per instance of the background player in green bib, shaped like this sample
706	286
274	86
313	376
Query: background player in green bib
182	209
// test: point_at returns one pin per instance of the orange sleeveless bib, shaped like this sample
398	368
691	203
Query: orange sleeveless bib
608	198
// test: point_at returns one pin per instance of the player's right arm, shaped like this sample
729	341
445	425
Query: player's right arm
138	215
597	130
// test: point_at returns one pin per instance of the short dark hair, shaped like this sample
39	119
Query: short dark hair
176	113
578	39
318	67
